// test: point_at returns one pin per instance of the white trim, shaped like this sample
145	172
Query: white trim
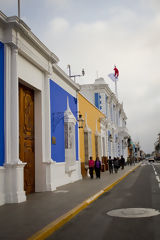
19	26
2	186
7	100
14	108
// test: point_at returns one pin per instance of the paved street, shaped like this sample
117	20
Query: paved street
21	221
141	189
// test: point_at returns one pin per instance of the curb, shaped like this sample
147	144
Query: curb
59	222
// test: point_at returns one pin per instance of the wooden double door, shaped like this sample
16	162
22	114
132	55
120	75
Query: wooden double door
26	136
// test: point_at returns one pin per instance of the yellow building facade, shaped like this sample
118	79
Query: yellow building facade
90	134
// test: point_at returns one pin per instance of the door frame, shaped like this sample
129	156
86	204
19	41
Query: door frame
23	87
38	143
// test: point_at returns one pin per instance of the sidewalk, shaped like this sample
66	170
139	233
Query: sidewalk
21	221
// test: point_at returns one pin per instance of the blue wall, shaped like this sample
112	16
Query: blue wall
1	104
58	99
96	100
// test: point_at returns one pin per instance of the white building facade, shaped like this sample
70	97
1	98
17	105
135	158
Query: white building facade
114	135
29	78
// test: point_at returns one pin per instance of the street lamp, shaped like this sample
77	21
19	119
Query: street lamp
110	138
58	116
80	121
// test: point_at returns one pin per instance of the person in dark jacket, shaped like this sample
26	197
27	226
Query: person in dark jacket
122	162
110	165
116	164
98	167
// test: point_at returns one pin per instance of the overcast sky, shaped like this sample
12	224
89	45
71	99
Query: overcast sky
96	35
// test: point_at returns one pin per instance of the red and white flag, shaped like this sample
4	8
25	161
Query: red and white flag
114	76
116	72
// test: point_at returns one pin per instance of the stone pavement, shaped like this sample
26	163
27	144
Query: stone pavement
21	221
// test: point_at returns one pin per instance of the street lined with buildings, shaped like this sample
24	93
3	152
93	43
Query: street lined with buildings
50	126
128	211
43	213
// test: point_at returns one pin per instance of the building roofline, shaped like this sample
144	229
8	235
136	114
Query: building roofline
22	26
57	69
92	104
112	94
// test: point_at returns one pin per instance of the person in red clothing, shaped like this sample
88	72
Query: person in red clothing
91	167
116	72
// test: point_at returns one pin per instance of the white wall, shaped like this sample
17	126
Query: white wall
2	184
30	73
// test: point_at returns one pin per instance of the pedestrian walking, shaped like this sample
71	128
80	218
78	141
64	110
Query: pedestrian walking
116	164
98	167
110	165
122	162
91	167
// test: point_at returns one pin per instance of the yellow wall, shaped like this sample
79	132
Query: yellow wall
92	114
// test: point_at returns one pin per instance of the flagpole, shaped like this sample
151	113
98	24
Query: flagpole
19	8
116	92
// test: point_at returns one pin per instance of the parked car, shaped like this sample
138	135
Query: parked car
150	159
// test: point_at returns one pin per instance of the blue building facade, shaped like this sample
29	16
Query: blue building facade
58	105
52	105
1	104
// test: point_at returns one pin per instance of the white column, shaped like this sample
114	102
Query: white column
14	168
106	138
48	163
46	120
113	144
7	121
14	108
109	112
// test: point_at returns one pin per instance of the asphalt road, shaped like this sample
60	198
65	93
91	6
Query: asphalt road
141	189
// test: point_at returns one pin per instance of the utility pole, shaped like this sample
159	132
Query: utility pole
19	8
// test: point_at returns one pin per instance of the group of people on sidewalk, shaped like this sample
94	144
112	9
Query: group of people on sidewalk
113	165
95	165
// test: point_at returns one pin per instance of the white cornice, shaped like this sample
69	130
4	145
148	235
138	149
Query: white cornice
102	87
19	26
3	17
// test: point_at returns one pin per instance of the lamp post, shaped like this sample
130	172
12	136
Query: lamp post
110	138
80	121
58	116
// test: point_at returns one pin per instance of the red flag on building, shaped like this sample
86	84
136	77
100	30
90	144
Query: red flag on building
116	72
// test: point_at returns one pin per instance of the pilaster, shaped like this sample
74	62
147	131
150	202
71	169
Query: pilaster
47	165
14	108
46	120
14	168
